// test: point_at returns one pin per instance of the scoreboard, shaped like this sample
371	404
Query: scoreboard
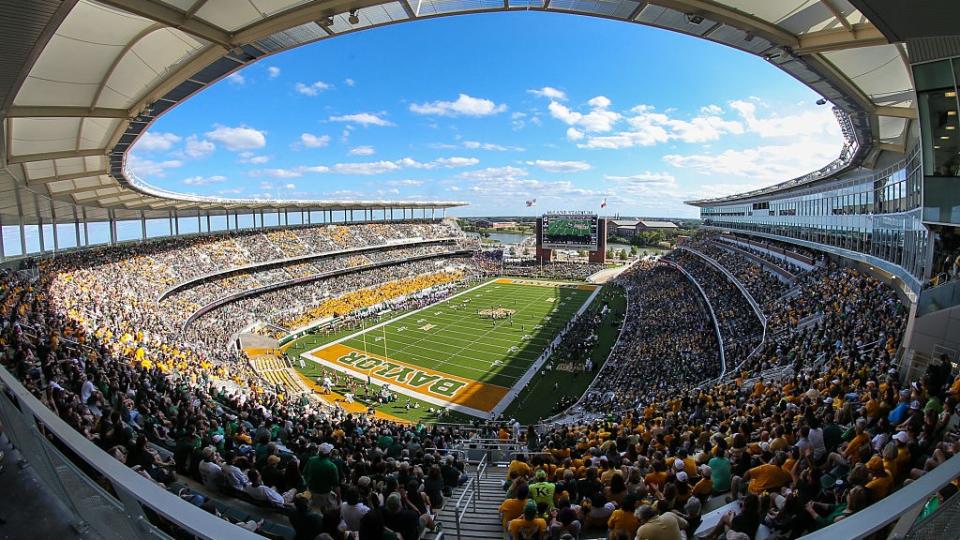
570	230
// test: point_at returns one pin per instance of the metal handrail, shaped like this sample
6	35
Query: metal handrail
460	508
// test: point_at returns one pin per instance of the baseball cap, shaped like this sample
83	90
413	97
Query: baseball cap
705	470
682	476
326	448
902	437
541	475
915	405
678	464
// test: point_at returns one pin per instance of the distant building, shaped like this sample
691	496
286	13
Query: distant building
628	228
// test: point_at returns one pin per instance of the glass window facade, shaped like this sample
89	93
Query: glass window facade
877	215
938	104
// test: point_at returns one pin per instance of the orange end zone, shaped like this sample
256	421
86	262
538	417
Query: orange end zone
538	283
414	379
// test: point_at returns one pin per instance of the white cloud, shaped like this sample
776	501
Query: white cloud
648	128
404	182
312	89
374	167
204	180
464	106
196	147
156	141
238	138
236	78
349	82
495	173
550	93
250	157
147	167
310	140
711	109
453	162
771	163
560	166
273	72
646	177
599	119
477	145
362	151
365	119
280	173
289	186
811	122
574	134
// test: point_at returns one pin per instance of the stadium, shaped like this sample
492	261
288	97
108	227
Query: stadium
362	364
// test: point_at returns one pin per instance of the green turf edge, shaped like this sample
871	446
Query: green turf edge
537	400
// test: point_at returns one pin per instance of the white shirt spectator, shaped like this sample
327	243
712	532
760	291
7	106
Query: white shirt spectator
235	477
352	514
265	494
211	474
86	391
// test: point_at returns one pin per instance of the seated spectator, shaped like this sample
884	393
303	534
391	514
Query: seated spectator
666	526
528	526
512	508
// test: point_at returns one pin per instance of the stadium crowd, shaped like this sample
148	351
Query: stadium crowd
838	432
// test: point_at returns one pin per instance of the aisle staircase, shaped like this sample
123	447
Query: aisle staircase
472	512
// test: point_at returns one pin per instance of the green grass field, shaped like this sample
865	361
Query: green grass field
461	343
566	227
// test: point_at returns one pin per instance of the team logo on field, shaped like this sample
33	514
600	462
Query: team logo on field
406	375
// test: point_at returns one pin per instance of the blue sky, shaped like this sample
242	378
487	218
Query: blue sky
496	109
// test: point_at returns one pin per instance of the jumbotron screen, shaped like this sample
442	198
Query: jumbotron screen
570	231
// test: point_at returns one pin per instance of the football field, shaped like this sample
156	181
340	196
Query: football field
467	352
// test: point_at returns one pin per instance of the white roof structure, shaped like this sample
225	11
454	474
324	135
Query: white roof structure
80	80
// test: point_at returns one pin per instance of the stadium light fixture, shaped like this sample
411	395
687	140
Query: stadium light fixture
353	19
951	113
951	128
950	94
821	101
694	18
945	138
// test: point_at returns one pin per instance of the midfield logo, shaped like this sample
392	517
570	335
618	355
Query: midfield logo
405	375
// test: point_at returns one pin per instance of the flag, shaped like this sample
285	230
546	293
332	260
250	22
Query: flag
603	203
531	202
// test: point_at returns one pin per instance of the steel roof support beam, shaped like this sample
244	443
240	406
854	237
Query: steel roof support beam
897	112
863	35
19	111
175	18
733	17
23	158
71	176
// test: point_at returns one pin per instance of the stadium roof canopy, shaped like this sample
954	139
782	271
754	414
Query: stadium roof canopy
81	80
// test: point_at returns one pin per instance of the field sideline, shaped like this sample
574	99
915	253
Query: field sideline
447	354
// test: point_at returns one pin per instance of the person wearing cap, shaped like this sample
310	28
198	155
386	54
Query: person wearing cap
881	481
900	412
704	487
528	526
323	478
542	491
901	462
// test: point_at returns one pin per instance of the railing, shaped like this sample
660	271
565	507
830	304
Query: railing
471	492
884	512
101	493
944	296
299	259
713	315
